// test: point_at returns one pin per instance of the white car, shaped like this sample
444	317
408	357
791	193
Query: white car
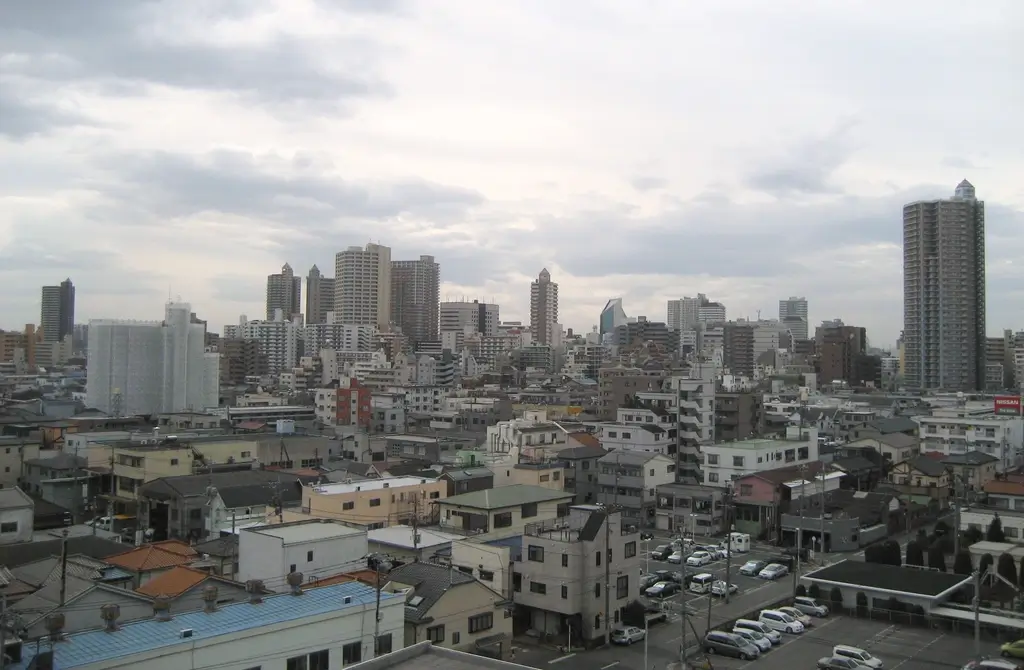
698	559
676	557
628	636
798	615
718	588
781	622
754	638
858	655
773	571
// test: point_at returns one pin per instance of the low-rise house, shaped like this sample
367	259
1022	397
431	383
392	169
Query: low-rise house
17	515
60	478
580	463
468	480
222	554
502	511
408	544
631	479
316	548
82	599
451	609
1004	499
894	447
728	461
151	560
490	561
546	474
861	474
376	503
891	426
975	469
921	475
844	521
691	509
183	587
759	499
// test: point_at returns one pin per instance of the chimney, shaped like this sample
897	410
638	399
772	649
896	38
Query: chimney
55	624
210	598
162	608
110	613
255	589
295	581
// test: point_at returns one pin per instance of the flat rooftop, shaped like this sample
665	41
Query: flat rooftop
758	444
425	656
890	578
304	531
371	485
401	536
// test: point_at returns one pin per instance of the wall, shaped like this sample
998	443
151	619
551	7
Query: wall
493	559
22	518
509	475
545	512
267	557
396	504
12	456
454	610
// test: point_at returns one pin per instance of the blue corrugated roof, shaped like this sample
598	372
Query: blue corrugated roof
80	649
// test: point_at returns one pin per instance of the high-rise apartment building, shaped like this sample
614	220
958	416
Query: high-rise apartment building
710	312
793	314
319	296
362	286
279	339
57	318
684	314
944	292
544	309
415	298
479	317
284	292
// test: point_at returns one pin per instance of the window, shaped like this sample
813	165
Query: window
537	587
622	587
487	575
529	510
712	459
597	589
481	622
291	568
384	645
630	549
565	560
374	502
352	653
9	527
535	553
348	505
598	558
434	495
455	637
712	476
436	634
626	436
503	520
746	489
565	592
803	453
555	476
545	478
309	556
320	660
246	454
297	663
517	582
737	461
612	433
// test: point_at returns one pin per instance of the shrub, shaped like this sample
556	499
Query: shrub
936	559
941	527
971	536
962	563
800	590
986	563
815	590
915	553
862	604
836	597
995	530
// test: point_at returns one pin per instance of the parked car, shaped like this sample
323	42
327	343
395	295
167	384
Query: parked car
730	644
774	636
717	552
857	654
781	622
661	552
810	606
798	615
753	637
718	588
646	536
1013	649
676	557
698	559
655	615
662	589
669	576
773	571
628	635
752	568
839	663
991	664
647	581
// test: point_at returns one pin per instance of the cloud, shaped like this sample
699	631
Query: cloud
806	167
21	119
648	183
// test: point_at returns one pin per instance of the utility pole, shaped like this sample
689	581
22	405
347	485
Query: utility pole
376	613
682	619
956	514
728	548
608	510
415	531
64	568
800	529
821	511
977	612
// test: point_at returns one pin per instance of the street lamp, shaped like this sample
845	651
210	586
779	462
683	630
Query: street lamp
693	526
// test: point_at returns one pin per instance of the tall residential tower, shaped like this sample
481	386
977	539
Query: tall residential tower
793	315
57	317
284	292
319	296
415	298
362	286
544	309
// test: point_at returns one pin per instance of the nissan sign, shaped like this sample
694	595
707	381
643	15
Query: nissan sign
1007	405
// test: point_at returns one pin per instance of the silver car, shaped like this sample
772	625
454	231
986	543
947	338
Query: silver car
810	606
730	644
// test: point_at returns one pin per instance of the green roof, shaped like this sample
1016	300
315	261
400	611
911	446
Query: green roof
506	496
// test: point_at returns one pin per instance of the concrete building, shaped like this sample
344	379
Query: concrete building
687	509
362	286
284	292
630	480
502	511
478	317
376	503
958	430
793	313
695	402
319	297
710	312
544	309
57	318
738	348
611	317
415	298
16	516
578	573
317	548
324	628
944	292
279	339
580	459
684	314
616	384
241	359
839	352
140	367
727	461
738	416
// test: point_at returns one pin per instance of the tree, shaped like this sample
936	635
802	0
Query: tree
1006	568
915	554
972	535
962	563
815	590
986	563
873	554
941	528
922	536
936	559
1020	580
835	596
862	604
801	590
995	530
893	555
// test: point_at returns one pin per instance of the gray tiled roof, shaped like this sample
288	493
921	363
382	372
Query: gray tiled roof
430	582
575	453
969	458
61	461
506	496
928	466
628	457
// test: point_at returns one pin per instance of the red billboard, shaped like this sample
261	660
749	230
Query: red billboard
1007	405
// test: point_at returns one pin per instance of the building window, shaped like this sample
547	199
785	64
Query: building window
374	502
436	634
597	589
309	556
297	663
712	476
246	454
565	560
174	461
598	559
320	660
487	575
9	527
712	459
627	436
352	653
622	587
503	520
481	622
737	461
529	510
456	637
746	489
348	505
565	593
517	582
291	568
434	495
612	433
803	453
545	478
630	549
538	587
384	645
555	476
535	553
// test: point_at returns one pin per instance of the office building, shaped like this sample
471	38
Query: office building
793	314
944	292
319	296
544	309
478	317
415	298
684	314
362	286
284	292
839	355
612	316
57	318
710	312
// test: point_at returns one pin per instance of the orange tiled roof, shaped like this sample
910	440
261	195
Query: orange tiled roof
150	557
365	576
173	583
176	547
1005	488
586	439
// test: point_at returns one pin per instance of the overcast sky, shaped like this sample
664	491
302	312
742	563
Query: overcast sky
647	149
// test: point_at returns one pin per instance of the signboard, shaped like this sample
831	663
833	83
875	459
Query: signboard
1007	405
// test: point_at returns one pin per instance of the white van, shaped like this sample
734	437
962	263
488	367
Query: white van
739	543
781	622
702	583
857	654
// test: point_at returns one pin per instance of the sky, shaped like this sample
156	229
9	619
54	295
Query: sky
642	149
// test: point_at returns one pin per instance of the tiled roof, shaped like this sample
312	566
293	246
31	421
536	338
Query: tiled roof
897	440
853	463
101	648
464	474
899	579
1005	488
430	582
173	583
505	496
969	458
60	461
896	424
368	577
90	545
786	474
575	453
628	457
586	439
253	495
927	466
226	545
154	557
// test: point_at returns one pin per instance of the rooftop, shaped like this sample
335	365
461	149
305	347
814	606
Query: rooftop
430	582
306	531
757	444
425	656
138	637
371	485
402	536
173	583
1005	488
890	578
969	458
167	554
14	498
628	457
506	496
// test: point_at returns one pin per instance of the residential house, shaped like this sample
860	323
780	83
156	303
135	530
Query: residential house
316	548
545	474
490	561
408	544
1005	499
760	498
468	480
502	511
376	503
151	560
843	520
690	509
222	554
451	609
83	599
14	451
894	447
861	474
17	514
61	479
577	573
580	463
232	506
955	430
891	426
975	469
921	476
183	587
727	461
50	544
630	479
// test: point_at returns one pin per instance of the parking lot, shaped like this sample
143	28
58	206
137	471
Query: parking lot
898	647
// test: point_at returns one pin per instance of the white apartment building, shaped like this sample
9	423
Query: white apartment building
684	314
435	371
378	372
727	461
362	286
476	316
279	339
151	367
338	336
711	312
644	430
695	407
544	310
766	336
957	430
530	431
318	548
583	361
